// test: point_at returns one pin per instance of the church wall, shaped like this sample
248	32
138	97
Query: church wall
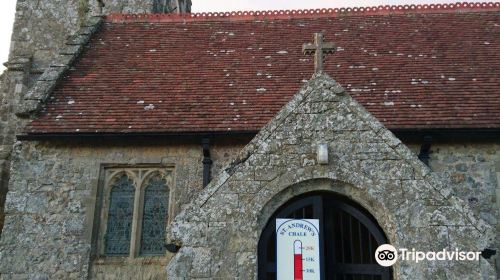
3	181
39	32
53	194
51	200
13	83
472	170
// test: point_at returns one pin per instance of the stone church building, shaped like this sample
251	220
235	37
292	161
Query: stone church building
139	141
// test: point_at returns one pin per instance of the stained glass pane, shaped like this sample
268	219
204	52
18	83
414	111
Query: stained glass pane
121	208
155	216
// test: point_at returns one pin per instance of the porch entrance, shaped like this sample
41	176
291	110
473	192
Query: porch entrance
349	236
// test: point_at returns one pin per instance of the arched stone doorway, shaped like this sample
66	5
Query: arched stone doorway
349	238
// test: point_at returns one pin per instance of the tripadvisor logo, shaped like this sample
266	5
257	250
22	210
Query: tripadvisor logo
388	255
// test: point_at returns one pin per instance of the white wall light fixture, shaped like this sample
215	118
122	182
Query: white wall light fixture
322	153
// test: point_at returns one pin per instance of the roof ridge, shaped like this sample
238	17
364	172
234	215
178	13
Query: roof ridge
307	13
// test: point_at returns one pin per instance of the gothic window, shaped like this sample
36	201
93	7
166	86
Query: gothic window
121	207
135	212
154	215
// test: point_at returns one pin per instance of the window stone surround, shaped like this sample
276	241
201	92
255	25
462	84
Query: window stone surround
139	175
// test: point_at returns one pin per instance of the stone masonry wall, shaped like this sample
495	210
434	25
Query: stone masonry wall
3	181
39	32
472	171
13	84
50	206
52	185
219	230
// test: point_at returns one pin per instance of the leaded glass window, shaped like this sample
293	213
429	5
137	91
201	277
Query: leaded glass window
155	212
134	212
120	214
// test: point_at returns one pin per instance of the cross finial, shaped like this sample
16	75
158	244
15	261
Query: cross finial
320	49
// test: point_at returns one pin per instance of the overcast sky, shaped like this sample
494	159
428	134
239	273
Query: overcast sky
237	5
7	10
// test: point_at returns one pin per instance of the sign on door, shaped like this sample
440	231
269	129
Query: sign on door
297	249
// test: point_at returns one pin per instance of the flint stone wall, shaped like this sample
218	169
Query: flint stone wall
51	200
219	231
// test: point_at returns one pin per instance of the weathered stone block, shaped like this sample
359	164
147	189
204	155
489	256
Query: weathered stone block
86	30
265	174
15	203
246	262
202	263
40	91
92	21
63	60
53	74
386	169
80	39
71	50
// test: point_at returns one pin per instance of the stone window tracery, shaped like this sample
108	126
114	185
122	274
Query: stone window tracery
134	212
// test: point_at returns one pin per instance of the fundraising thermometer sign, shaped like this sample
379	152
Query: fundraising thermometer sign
297	249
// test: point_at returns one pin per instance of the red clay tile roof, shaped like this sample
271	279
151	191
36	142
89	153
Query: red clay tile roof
414	67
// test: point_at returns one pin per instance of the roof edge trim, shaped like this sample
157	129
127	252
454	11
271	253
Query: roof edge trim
407	134
458	7
133	135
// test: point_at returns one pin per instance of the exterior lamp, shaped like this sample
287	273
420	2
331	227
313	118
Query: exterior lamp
322	153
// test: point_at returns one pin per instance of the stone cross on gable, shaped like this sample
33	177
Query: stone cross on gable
320	49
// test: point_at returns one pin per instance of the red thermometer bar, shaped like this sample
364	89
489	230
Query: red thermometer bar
297	260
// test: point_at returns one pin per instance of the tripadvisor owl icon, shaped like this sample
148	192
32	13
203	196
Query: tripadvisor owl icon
386	255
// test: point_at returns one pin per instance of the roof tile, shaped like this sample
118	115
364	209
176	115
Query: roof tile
148	74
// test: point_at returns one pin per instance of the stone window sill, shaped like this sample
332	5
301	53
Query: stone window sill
146	260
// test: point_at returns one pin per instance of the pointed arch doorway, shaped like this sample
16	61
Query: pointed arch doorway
349	236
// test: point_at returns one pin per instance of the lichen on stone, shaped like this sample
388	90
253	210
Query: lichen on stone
83	10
